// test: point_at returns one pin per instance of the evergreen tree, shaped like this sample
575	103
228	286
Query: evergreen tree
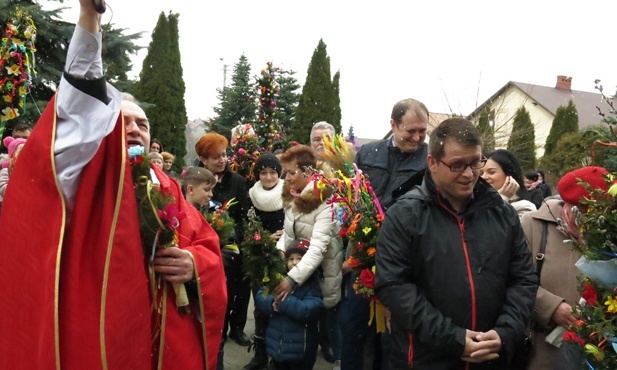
522	140
117	48
161	85
350	132
487	129
288	99
236	102
573	150
53	36
566	120
336	102
317	99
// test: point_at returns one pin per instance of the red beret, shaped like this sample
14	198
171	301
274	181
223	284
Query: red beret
572	192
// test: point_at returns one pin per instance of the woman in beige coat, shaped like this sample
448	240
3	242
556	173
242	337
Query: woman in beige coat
557	293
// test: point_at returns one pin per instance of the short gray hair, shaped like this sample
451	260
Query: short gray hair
129	97
323	125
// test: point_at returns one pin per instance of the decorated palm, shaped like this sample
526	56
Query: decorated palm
262	263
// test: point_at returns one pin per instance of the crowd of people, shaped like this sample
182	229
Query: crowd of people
469	260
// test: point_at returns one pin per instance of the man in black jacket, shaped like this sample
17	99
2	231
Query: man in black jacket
388	164
452	264
391	162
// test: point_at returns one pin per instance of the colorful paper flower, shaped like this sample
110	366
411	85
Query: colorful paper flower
171	216
572	337
13	69
134	151
352	262
590	295
611	303
9	113
367	277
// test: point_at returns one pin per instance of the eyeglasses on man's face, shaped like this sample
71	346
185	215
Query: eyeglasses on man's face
460	167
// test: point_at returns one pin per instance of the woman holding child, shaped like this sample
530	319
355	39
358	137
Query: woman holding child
309	217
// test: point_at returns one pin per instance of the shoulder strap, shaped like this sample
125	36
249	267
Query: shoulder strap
540	254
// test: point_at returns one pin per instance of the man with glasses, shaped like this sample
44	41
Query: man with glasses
388	164
452	264
318	132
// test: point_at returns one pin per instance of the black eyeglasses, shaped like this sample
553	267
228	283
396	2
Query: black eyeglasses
460	167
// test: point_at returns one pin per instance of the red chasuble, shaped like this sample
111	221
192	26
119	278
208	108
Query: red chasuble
192	340
75	287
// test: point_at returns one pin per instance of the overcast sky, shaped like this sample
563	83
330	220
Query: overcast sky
452	55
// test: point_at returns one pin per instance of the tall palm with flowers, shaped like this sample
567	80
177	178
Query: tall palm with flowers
360	214
221	221
159	219
262	262
595	333
246	146
17	66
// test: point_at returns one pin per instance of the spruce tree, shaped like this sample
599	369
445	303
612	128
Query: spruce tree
336	102
487	130
350	132
161	85
522	140
566	120
288	99
236	105
316	102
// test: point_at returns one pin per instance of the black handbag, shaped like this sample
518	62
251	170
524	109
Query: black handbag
521	358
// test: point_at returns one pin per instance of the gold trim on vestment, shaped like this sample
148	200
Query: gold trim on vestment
110	244
201	312
162	333
60	239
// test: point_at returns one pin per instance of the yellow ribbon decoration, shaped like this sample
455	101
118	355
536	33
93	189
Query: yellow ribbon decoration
379	314
232	247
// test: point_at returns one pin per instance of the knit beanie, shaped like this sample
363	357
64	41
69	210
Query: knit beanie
572	192
11	143
267	160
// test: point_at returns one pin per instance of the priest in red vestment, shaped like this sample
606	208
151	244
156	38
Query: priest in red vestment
74	277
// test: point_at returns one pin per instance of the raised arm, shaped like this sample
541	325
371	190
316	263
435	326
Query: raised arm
86	106
89	18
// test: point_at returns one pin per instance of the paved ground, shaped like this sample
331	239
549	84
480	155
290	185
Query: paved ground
236	356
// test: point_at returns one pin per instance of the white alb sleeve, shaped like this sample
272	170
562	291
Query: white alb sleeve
83	121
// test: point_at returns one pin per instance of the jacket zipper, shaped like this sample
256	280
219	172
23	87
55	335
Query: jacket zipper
472	285
410	351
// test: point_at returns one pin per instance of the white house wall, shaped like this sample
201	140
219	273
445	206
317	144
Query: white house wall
505	107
